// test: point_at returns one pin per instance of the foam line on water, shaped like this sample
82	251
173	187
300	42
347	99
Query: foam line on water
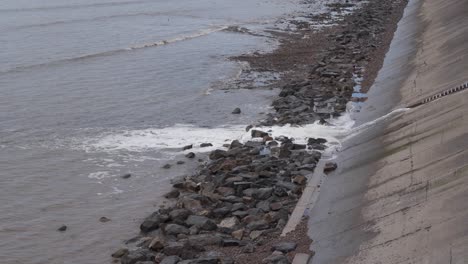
175	137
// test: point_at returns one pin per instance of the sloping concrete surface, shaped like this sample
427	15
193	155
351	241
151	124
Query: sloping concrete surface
400	194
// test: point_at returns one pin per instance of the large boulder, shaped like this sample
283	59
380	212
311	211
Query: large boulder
152	222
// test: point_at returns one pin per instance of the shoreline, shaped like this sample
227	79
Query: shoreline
240	201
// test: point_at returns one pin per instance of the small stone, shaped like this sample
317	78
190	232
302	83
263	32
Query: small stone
120	253
231	243
126	176
247	128
104	219
299	179
329	167
190	155
167	166
238	234
180	162
204	145
187	147
151	222
62	228
258	134
229	223
284	247
236	111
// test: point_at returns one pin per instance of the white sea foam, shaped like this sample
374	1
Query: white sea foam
175	137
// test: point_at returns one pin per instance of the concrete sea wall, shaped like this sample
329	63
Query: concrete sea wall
400	193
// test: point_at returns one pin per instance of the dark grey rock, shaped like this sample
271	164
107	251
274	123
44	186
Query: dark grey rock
167	166
187	147
175	229
262	193
236	111
217	154
263	205
258	133
207	260
174	248
258	225
284	247
190	155
276	259
62	228
329	167
126	176
205	240
201	222
170	260
132	257
179	215
172	194
151	223
120	253
204	145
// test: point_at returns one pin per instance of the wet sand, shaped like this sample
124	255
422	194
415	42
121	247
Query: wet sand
399	195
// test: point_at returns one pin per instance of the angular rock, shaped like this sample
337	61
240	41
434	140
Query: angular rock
201	222
225	191
172	194
258	134
151	223
217	154
190	155
157	243
258	225
263	205
284	247
329	167
262	193
120	253
187	147
205	240
175	229
179	215
236	111
207	260
276	259
229	223
135	256
238	234
174	248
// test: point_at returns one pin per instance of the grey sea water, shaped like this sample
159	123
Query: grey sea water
93	89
